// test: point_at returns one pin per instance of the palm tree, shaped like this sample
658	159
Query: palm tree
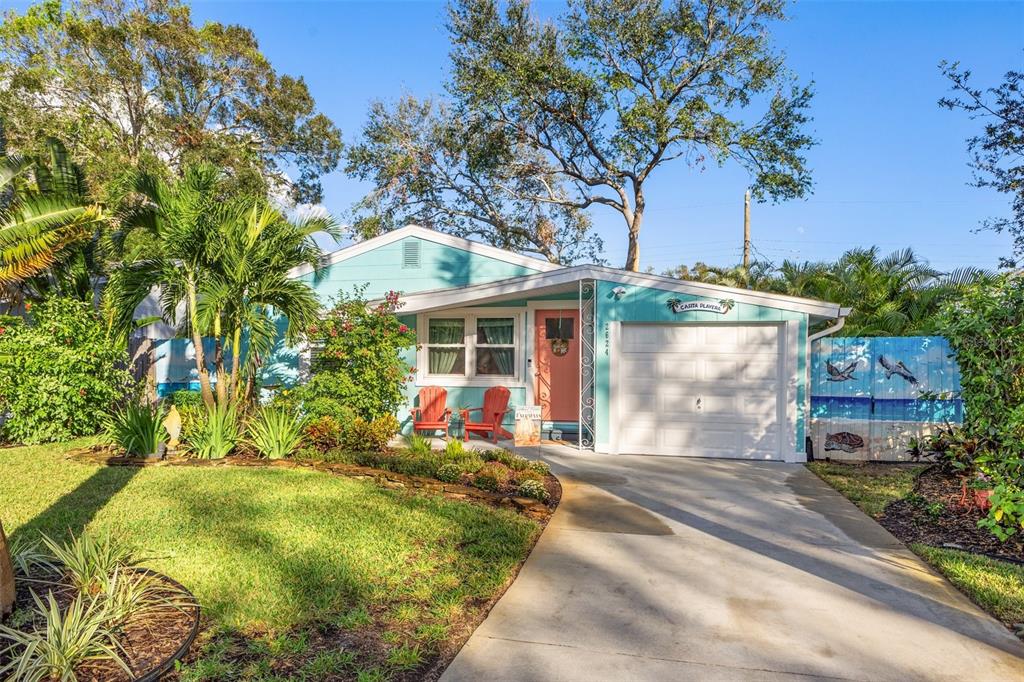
221	267
44	214
250	290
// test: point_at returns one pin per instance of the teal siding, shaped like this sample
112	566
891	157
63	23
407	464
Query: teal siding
644	304
441	267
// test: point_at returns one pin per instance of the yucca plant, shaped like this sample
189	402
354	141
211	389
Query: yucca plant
80	634
217	433
418	445
275	432
138	428
88	561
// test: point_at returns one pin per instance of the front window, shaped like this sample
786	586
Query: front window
446	346
472	346
496	346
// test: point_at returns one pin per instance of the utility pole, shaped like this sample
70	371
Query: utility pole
746	230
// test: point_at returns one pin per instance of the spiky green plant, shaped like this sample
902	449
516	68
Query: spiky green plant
454	449
79	634
88	560
216	433
138	428
275	432
418	445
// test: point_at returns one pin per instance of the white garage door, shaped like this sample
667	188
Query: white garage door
700	390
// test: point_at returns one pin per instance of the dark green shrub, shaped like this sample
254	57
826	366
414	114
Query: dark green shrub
450	472
370	436
323	433
985	327
533	489
59	373
492	476
185	399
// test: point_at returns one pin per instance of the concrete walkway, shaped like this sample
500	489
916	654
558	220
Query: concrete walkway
657	568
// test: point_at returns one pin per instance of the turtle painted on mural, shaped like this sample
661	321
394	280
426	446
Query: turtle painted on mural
844	440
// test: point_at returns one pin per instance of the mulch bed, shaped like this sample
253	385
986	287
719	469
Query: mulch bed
956	527
150	641
539	511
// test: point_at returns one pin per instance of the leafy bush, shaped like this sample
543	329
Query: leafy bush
985	326
449	472
59	373
185	399
511	460
539	466
370	436
275	432
527	474
216	433
492	476
138	428
418	445
359	365
323	433
533	489
454	449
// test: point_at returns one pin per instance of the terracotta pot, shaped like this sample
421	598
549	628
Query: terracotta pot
981	500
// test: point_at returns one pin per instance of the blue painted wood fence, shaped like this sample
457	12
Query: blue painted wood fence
871	395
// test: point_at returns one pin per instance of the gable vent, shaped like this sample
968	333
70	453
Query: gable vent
411	253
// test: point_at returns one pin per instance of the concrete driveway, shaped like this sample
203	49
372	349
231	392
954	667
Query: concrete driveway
658	568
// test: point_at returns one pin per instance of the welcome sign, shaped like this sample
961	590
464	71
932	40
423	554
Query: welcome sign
721	306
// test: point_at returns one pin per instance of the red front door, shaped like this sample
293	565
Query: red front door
557	364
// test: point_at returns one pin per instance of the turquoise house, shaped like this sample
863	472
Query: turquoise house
621	362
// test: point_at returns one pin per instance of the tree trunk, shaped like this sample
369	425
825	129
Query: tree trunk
218	363
6	576
236	362
197	342
633	221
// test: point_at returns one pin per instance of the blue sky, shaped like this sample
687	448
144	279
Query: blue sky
890	168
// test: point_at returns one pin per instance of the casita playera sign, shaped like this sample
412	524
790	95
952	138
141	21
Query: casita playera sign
721	307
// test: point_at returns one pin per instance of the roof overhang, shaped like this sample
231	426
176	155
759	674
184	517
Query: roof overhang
566	280
460	243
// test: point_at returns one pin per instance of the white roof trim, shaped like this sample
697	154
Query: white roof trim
431	236
517	287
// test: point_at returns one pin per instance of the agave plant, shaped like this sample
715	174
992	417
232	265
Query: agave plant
275	432
217	433
138	428
79	634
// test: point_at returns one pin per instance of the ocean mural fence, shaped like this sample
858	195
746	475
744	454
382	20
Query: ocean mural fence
871	396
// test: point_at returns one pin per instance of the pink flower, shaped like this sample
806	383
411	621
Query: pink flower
403	328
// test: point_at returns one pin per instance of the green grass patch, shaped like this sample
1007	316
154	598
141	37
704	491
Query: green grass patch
869	486
269	550
996	586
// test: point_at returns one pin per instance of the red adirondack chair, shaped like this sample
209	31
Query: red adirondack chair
491	414
432	413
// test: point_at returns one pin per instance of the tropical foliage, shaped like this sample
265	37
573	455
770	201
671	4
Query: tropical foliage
985	327
138	428
221	265
138	87
60	373
358	369
44	215
275	433
897	294
216	431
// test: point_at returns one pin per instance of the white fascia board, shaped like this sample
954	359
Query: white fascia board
431	236
520	286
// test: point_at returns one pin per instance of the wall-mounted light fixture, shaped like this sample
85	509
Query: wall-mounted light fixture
619	292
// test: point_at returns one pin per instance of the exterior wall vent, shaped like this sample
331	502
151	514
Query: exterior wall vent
411	253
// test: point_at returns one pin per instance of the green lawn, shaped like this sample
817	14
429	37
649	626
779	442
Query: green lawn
869	486
996	586
268	549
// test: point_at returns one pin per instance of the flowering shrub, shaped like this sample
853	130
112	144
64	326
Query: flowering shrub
534	489
59	373
449	473
359	366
